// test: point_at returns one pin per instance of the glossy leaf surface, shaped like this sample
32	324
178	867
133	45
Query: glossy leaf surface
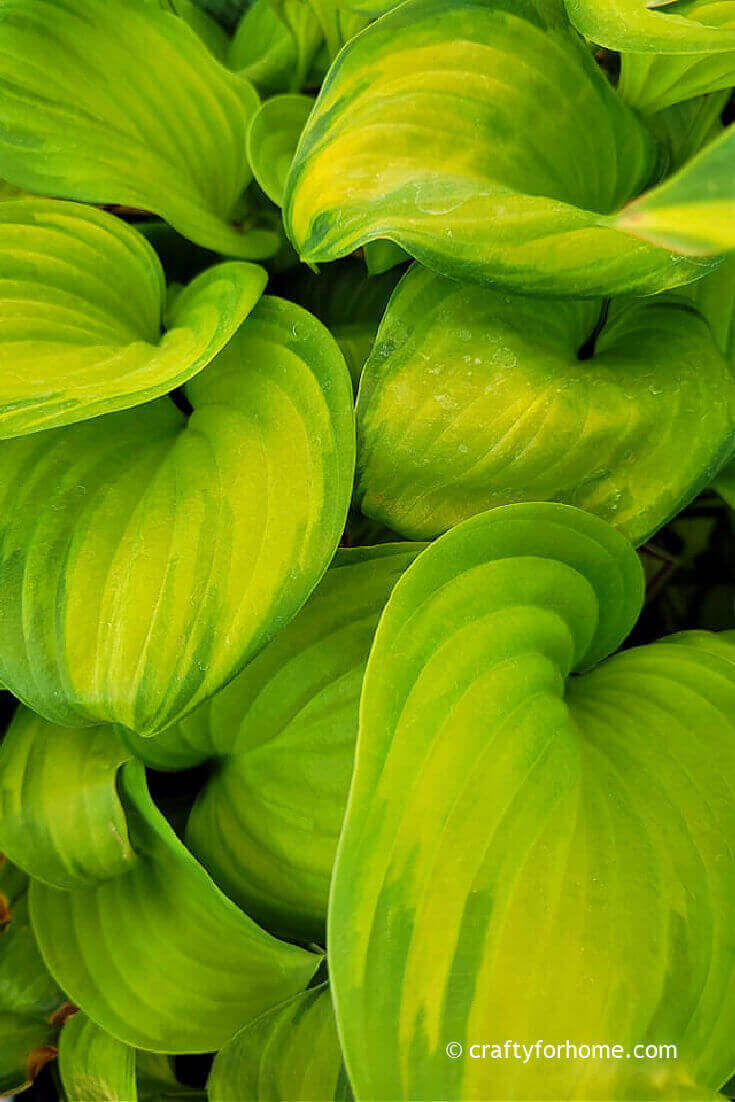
290	1054
654	26
159	554
147	118
60	815
397	148
472	399
82	298
694	210
267	822
272	140
651	82
528	853
191	945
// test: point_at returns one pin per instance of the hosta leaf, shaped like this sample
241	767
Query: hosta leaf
397	148
267	822
214	37
202	968
381	256
472	398
30	1001
81	311
349	303
93	1066
144	558
652	81
654	26
272	54
687	127
26	1046
148	118
272	139
290	1054
693	211
530	854
89	840
714	297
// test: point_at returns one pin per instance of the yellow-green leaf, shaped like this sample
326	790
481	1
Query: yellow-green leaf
82	306
481	137
159	554
119	101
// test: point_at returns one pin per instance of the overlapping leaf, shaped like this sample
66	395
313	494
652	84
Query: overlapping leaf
121	102
95	1067
651	81
144	558
81	311
694	210
272	140
349	303
267	822
480	136
530	854
191	945
655	26
290	1054
31	1004
472	399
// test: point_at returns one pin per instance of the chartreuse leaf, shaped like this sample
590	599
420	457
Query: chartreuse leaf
349	303
202	968
81	311
96	1067
211	33
145	558
267	822
655	26
397	148
381	256
264	50
147	118
272	140
528	853
66	834
652	81
687	127
290	1054
282	737
471	399
93	1066
694	210
31	1004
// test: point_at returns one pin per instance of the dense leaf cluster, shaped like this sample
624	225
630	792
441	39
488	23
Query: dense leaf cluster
367	549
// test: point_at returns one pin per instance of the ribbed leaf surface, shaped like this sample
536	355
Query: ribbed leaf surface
82	299
119	101
472	398
144	558
529	854
481	137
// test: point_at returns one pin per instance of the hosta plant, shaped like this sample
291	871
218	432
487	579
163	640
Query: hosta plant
367	550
